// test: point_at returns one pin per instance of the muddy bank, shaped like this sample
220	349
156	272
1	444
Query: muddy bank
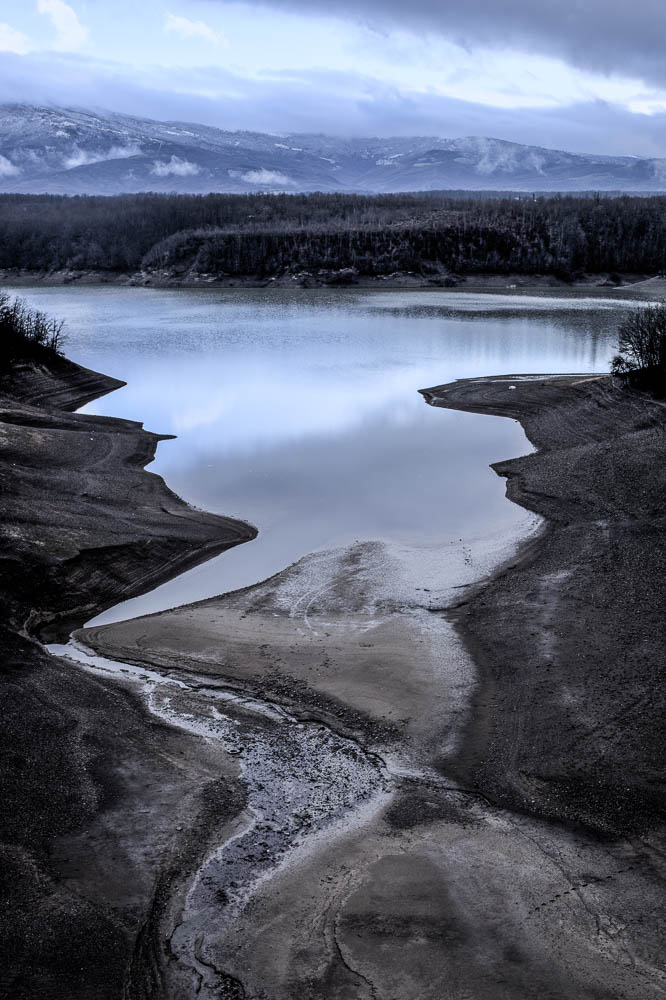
645	286
571	639
454	874
105	810
83	524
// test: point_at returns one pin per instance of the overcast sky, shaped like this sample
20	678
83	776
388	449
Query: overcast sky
586	75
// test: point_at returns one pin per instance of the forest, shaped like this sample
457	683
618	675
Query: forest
263	234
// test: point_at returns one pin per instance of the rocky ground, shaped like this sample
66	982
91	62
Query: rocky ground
343	782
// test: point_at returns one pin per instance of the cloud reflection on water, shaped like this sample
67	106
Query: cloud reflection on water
300	413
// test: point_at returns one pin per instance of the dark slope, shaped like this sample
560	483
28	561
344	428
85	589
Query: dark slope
95	792
571	640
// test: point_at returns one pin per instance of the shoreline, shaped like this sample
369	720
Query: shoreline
478	880
109	521
592	438
83	764
329	639
594	284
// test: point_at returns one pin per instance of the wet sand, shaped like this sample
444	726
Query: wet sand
341	783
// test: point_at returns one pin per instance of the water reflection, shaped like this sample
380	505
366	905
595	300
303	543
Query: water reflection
299	411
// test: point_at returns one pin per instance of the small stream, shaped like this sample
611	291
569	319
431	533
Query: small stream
301	777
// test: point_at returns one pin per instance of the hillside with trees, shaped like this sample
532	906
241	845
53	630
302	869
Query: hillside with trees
263	235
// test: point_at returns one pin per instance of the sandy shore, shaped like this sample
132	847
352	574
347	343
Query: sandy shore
505	837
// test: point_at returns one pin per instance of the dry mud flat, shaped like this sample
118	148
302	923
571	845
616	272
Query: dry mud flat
445	799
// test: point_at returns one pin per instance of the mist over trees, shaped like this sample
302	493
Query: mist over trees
270	234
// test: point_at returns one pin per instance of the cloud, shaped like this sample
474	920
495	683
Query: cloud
268	177
608	36
186	29
7	168
319	101
12	40
71	34
83	158
176	167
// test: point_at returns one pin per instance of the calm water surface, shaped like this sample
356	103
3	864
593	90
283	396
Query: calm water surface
299	412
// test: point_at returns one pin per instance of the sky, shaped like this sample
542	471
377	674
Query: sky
583	75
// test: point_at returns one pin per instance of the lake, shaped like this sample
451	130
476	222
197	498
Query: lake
298	410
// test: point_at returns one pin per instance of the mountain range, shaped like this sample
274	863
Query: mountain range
74	151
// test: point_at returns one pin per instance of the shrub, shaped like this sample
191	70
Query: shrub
641	357
26	334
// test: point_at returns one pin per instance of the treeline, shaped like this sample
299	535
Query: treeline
271	234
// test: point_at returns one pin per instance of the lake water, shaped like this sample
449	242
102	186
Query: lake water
298	410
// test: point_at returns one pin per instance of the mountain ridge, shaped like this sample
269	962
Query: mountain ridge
52	150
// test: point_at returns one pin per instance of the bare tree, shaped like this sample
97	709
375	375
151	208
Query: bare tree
27	333
642	342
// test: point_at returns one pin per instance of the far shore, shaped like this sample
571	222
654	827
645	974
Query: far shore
640	286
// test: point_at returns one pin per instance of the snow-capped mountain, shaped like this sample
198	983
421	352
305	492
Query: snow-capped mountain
70	151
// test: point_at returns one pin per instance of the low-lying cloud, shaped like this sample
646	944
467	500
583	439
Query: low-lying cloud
7	168
83	157
272	178
175	167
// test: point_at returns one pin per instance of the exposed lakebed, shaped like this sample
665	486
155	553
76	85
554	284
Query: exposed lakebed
338	692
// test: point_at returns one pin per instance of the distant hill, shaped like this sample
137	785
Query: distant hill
67	151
